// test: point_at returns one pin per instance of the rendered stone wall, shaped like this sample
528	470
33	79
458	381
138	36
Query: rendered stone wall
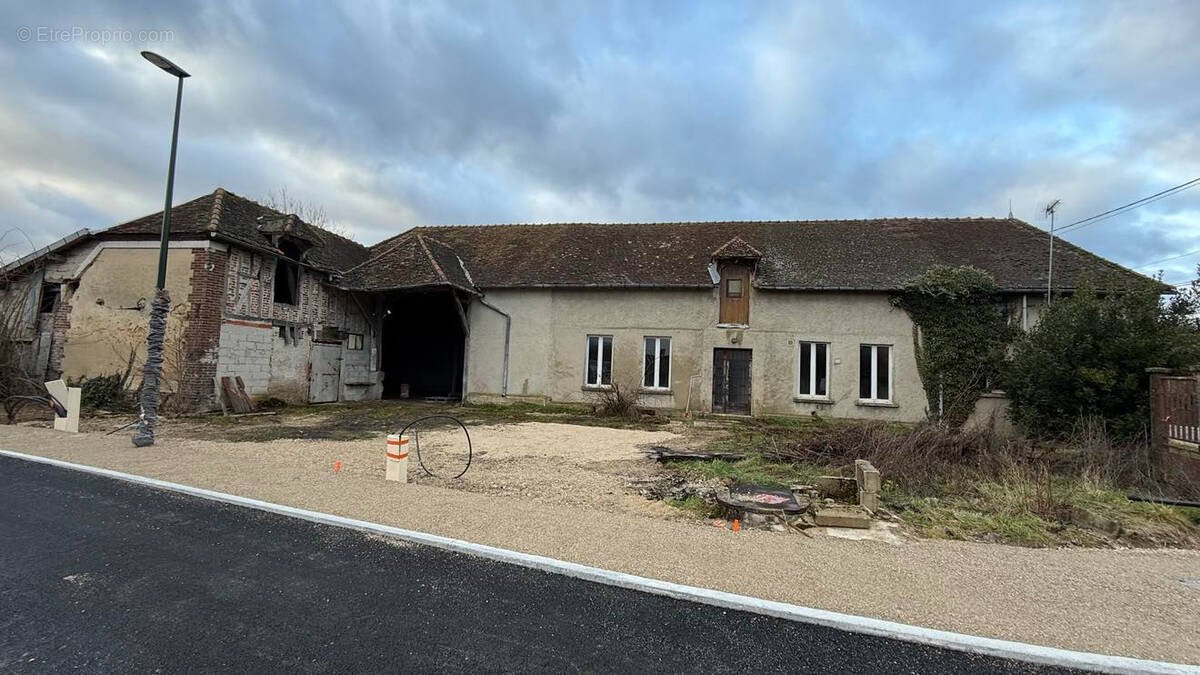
550	329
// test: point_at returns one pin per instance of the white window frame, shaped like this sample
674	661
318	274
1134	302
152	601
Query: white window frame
354	341
587	348
658	339
875	372
812	369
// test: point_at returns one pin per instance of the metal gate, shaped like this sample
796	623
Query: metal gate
731	381
324	372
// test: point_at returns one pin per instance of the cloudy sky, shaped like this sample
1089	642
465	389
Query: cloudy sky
392	114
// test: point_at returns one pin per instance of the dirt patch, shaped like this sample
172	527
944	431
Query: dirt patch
548	462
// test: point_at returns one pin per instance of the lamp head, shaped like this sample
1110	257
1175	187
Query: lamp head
165	64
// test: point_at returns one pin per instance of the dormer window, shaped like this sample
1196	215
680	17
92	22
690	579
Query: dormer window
293	248
731	267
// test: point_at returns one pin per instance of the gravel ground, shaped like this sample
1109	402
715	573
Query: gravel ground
154	581
1128	602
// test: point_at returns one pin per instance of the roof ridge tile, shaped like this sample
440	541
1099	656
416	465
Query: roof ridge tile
432	259
214	219
659	223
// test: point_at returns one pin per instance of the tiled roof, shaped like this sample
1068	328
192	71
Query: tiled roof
880	254
424	261
236	218
736	248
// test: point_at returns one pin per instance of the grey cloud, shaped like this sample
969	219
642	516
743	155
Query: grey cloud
392	115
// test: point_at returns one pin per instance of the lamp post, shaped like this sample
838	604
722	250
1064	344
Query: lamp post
159	308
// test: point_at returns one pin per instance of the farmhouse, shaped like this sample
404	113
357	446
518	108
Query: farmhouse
729	317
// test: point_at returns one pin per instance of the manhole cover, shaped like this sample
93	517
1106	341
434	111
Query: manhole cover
751	498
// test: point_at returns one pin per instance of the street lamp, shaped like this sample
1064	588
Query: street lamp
160	307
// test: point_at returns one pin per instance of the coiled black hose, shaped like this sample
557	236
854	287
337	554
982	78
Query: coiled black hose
417	441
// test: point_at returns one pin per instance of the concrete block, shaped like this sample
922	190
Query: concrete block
843	516
866	475
868	500
835	486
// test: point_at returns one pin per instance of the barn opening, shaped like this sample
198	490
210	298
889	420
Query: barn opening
423	345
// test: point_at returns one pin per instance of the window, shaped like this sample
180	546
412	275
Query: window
812	380
49	300
875	373
733	288
287	277
656	363
599	361
354	341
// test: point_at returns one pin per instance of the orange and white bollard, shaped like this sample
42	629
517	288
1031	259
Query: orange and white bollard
397	458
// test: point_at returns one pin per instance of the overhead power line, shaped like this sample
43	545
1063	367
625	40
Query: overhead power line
1174	257
1092	220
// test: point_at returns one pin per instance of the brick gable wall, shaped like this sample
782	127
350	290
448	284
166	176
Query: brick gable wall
61	323
205	300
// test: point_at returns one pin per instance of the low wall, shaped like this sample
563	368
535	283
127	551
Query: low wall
991	411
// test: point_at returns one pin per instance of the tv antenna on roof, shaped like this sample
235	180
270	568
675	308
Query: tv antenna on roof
1051	208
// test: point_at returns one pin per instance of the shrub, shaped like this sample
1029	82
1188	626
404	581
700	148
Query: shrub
618	401
1087	358
106	392
925	454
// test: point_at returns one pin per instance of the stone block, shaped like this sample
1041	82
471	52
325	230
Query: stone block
868	500
835	486
1088	519
866	475
843	516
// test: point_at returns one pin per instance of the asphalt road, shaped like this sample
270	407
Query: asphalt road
99	575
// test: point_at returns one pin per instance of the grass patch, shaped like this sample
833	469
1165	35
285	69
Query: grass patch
695	506
754	469
370	419
1037	513
955	518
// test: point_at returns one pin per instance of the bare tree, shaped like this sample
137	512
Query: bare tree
310	212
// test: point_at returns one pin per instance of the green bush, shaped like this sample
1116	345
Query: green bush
1087	357
106	392
960	335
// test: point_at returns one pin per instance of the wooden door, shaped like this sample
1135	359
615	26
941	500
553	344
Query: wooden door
735	295
731	381
324	372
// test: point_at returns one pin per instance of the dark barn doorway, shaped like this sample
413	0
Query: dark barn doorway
422	346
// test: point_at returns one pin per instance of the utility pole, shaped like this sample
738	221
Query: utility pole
1050	209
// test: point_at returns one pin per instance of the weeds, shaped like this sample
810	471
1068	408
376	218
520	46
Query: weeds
973	484
617	400
696	506
754	469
